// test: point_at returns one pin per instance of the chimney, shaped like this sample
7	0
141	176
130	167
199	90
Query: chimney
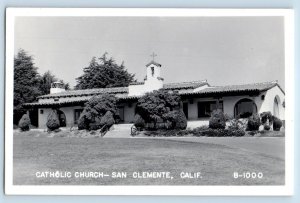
57	87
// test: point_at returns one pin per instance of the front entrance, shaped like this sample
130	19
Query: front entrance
62	118
121	113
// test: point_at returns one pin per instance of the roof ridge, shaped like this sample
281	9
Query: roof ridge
195	81
255	83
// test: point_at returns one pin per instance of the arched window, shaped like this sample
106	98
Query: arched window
152	70
244	108
276	107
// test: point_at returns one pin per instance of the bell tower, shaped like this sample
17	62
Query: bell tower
153	80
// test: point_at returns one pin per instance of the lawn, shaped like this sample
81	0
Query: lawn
216	162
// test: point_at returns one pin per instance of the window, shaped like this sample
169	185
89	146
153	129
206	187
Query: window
77	113
205	108
41	111
276	107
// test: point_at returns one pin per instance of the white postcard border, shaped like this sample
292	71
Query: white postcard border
287	189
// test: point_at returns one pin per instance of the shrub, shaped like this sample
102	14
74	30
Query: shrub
236	124
159	105
94	111
217	120
267	127
83	121
52	121
277	123
107	119
24	123
139	122
181	121
224	133
200	131
253	123
266	117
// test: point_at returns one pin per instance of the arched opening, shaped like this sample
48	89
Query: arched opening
276	106
62	118
244	108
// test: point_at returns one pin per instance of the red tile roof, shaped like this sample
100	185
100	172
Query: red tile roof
185	85
259	87
185	88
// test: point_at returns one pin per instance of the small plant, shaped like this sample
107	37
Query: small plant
267	127
181	121
277	123
24	123
53	121
200	131
266	118
139	122
217	120
253	123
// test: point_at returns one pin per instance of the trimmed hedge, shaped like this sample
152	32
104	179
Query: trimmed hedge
253	123
217	120
24	123
277	123
180	121
265	117
52	121
139	122
267	127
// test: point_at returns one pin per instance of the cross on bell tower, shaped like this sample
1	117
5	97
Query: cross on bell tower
153	55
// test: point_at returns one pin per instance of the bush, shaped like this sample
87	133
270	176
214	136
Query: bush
107	119
200	131
181	121
253	123
217	120
139	122
224	133
24	123
94	111
83	121
277	123
266	117
267	127
53	121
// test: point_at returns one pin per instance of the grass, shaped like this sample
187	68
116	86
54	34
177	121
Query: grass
216	162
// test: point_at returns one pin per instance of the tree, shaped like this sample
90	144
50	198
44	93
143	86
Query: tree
104	72
53	121
24	123
159	105
46	80
95	109
217	120
26	83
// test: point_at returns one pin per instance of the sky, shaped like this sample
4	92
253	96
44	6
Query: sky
223	50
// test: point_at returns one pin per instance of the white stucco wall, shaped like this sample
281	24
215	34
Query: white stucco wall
268	104
136	90
43	117
68	111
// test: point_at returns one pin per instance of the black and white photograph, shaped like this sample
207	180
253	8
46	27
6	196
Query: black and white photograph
176	100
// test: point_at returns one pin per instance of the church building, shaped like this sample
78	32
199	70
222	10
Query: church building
199	98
